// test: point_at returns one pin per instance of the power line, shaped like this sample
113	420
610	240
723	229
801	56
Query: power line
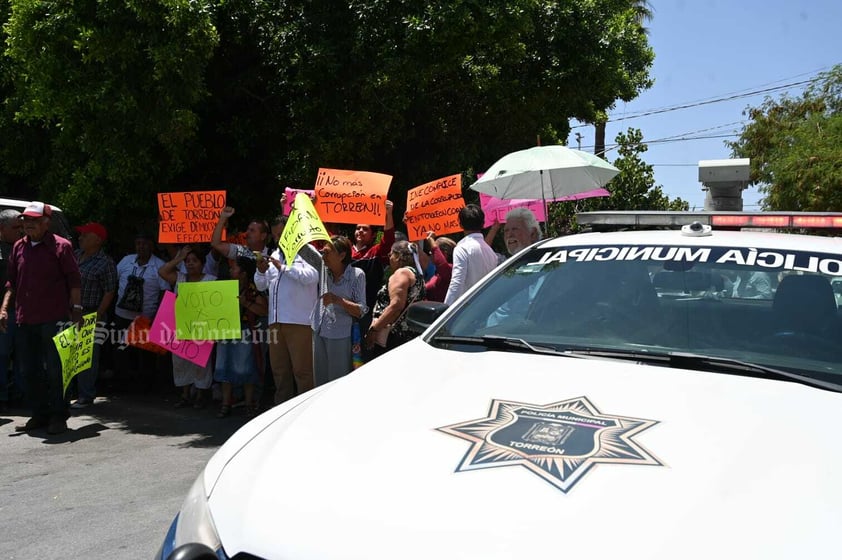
683	138
669	140
706	129
753	89
728	96
711	101
717	99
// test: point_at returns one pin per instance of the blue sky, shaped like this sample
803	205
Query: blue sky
706	50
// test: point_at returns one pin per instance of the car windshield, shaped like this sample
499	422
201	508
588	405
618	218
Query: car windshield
773	308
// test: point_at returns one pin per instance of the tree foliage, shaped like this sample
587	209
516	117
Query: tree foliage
124	99
795	147
427	89
114	85
632	189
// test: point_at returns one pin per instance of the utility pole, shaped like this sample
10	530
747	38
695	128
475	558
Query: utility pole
599	139
579	140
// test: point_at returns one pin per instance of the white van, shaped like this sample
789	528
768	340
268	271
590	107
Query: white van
58	224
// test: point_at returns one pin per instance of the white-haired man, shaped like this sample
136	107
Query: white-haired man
520	231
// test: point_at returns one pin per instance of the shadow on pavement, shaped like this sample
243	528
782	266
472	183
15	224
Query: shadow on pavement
154	415
142	412
143	406
85	432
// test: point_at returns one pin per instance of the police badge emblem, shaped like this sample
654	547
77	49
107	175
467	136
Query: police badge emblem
560	442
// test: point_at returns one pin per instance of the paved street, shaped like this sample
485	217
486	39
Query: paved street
109	487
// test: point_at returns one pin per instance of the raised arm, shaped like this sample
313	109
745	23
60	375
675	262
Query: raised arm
443	270
492	233
385	246
216	238
169	272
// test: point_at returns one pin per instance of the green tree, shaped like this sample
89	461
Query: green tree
633	188
23	151
114	86
139	97
244	120
643	14
795	147
426	89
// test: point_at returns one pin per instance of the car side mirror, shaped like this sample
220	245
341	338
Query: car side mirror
422	314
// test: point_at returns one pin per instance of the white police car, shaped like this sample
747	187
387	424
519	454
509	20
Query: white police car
652	394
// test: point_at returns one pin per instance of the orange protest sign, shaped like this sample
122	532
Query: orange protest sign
435	207
189	217
352	197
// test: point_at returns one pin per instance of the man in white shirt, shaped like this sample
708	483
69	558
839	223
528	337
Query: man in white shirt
473	258
293	291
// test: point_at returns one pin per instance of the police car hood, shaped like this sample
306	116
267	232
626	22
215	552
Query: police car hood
504	455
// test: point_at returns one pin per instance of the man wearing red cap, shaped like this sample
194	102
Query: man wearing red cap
44	280
99	285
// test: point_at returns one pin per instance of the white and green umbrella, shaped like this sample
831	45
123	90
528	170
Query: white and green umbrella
545	173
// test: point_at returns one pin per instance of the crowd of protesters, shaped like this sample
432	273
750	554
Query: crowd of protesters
337	304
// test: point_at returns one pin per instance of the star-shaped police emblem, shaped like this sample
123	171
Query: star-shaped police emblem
560	442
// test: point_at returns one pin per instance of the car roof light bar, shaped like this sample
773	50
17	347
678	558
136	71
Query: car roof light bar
671	219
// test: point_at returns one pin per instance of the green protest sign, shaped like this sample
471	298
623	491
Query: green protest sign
303	226
76	348
208	310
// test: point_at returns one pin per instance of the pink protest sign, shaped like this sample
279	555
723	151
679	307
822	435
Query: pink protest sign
162	333
498	207
290	197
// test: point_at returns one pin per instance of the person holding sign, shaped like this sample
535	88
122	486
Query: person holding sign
185	373
257	234
256	248
342	301
293	291
372	258
440	250
44	279
364	245
240	362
